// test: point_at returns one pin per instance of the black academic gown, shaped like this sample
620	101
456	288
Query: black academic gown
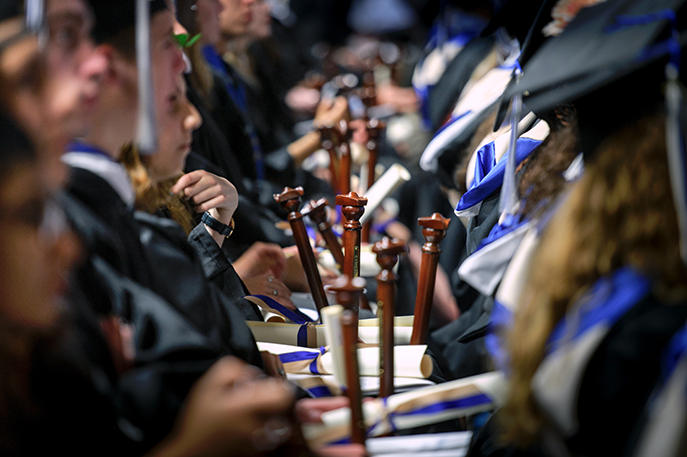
182	323
615	387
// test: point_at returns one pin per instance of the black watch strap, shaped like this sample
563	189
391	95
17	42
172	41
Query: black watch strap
217	226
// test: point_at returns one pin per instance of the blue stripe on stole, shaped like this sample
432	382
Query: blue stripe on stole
489	173
673	353
501	320
510	224
610	299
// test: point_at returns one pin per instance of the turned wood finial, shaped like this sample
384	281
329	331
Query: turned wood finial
353	208
347	290
388	250
434	230
290	198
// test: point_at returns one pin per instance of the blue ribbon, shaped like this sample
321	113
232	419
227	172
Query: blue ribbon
319	391
460	403
294	316
300	356
489	173
609	299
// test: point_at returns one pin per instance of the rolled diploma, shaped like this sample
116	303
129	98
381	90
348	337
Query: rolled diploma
385	185
331	318
399	321
409	361
370	335
416	408
285	333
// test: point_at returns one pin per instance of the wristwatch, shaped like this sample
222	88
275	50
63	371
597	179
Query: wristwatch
217	226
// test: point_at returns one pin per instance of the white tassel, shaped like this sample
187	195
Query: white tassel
146	134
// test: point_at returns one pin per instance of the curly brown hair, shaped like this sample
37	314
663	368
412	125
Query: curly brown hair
155	197
541	179
620	213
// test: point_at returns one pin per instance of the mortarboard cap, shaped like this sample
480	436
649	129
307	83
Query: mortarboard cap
601	46
613	63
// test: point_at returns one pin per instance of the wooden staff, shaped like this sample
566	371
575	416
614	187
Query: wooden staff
290	199
434	230
348	294
316	211
330	137
387	255
374	128
345	162
352	207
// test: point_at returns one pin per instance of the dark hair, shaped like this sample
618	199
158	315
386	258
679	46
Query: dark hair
115	22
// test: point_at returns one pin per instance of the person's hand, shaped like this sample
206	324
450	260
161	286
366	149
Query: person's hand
273	287
231	411
309	410
330	112
261	258
210	193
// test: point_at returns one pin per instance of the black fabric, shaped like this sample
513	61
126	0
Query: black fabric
221	273
621	376
212	152
444	96
459	346
183	323
616	385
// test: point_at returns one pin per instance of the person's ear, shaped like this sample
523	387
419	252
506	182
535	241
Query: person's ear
107	53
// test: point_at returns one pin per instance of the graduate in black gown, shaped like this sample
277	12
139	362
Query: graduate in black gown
606	289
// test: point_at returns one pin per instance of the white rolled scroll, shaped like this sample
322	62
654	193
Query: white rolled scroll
409	361
331	318
306	335
416	408
399	321
314	336
385	185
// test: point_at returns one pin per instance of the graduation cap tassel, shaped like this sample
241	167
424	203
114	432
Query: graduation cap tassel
509	193
35	19
675	150
146	134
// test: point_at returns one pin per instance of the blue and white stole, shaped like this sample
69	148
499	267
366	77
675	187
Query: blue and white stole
485	267
449	34
489	169
237	91
575	339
